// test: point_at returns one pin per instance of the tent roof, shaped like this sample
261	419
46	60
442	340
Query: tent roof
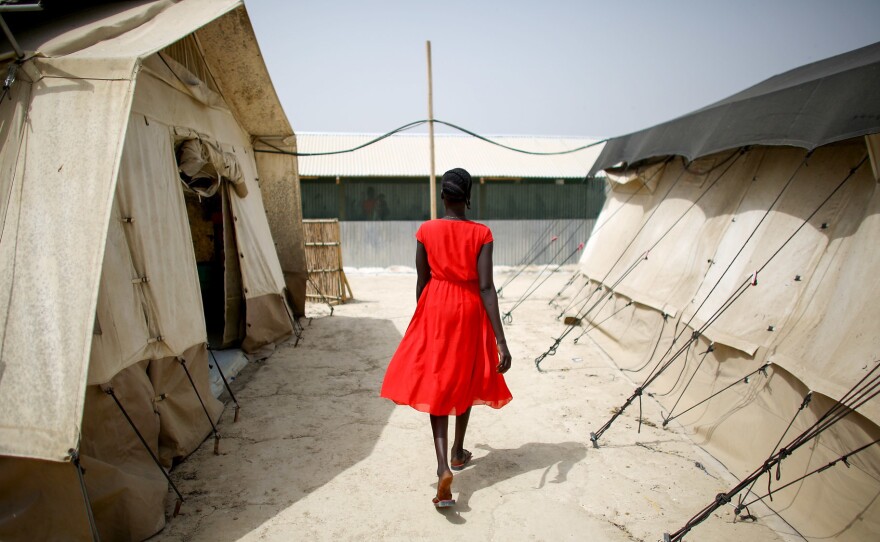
813	105
107	40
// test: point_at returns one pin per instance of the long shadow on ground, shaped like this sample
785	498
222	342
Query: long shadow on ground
308	414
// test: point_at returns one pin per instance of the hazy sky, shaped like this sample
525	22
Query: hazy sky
551	67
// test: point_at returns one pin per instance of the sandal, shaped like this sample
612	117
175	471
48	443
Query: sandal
444	492
463	463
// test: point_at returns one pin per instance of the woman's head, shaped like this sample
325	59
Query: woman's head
456	186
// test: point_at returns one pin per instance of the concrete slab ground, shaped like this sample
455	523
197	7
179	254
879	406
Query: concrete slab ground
317	455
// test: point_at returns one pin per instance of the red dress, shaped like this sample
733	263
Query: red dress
447	360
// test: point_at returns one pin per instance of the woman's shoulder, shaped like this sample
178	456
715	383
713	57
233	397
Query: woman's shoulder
480	226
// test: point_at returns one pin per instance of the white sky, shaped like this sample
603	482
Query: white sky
551	67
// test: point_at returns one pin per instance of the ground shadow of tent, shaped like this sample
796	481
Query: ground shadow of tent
304	420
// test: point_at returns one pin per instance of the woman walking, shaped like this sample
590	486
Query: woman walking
454	353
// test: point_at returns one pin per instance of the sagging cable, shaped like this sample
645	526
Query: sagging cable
743	380
408	126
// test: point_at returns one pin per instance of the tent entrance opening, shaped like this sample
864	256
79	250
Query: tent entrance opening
219	270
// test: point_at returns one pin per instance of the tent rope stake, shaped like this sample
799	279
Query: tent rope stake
661	367
807	398
597	324
752	281
507	317
861	392
842	459
323	297
80	471
199	396
581	314
528	253
528	291
574	277
109	391
226	384
577	294
744	380
552	350
523	267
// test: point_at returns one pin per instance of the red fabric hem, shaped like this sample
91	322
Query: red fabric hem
422	407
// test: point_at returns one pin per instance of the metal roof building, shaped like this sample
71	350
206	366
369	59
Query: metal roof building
407	155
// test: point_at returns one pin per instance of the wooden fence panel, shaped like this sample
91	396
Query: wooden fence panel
327	282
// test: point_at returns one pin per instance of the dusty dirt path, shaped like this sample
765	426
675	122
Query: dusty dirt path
317	455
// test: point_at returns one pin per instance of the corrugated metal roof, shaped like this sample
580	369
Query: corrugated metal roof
407	155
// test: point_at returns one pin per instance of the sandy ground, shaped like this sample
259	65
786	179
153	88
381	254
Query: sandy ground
317	455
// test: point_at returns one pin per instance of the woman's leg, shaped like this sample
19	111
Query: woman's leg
440	428
461	423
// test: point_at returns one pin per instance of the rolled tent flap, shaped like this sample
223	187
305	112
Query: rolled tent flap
203	165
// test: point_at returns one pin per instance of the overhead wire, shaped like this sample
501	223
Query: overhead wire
409	126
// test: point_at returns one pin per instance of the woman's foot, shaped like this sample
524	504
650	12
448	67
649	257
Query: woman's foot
460	460
444	491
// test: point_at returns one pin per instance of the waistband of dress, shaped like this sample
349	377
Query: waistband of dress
468	283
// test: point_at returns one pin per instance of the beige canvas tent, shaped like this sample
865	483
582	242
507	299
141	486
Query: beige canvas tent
138	224
748	230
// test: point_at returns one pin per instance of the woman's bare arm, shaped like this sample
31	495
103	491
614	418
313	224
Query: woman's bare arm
490	302
423	270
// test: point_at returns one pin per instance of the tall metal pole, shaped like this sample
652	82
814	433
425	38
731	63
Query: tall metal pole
433	183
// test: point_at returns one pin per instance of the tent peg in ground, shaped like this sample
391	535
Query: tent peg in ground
225	383
73	455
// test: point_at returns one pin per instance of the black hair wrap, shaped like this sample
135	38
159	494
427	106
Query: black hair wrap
456	186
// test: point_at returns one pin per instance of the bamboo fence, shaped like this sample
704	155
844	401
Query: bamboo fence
327	282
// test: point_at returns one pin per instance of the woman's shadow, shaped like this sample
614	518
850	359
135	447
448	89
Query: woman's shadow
502	464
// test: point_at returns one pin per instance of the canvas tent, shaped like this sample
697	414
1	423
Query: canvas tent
113	274
780	179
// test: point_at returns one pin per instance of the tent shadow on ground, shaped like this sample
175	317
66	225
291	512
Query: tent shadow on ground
500	465
305	418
